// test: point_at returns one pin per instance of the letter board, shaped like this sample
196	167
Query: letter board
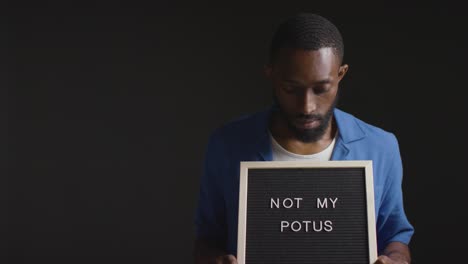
306	212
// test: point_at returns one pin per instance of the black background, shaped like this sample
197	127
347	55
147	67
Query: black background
110	106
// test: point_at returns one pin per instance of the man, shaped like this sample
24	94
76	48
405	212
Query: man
305	69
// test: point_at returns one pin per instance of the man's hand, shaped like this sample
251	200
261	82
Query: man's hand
226	259
207	252
395	253
386	260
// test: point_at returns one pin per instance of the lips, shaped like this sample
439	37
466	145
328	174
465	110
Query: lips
309	123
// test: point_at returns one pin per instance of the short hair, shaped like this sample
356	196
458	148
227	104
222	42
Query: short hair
307	31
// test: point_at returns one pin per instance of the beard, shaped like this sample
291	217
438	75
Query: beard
311	134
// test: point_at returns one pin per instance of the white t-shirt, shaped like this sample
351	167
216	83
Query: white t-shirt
281	154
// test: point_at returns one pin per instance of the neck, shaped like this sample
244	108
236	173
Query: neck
286	138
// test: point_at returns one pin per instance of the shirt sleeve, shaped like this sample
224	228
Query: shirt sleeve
210	214
392	223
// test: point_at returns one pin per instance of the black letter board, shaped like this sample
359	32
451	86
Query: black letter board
306	212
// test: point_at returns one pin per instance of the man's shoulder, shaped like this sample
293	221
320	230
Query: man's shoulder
369	133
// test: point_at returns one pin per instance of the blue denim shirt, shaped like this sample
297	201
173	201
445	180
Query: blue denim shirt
247	139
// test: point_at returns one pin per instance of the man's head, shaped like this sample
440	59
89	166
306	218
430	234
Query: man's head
305	69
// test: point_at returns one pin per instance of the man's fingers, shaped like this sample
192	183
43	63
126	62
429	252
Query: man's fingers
383	260
386	260
230	259
226	259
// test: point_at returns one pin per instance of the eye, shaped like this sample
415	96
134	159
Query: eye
321	89
290	89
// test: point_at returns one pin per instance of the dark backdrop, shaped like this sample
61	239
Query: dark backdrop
110	107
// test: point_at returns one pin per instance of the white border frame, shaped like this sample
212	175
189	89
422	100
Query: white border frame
246	165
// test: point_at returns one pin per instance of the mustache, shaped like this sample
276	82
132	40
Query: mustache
308	118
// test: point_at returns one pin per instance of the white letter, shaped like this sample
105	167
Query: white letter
284	224
328	224
322	205
306	225
272	202
298	199
315	229
290	205
331	200
296	229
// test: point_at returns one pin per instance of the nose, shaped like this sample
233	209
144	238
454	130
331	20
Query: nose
308	102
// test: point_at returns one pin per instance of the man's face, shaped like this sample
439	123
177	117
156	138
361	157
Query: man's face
305	84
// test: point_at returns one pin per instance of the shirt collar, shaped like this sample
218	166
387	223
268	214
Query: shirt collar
348	128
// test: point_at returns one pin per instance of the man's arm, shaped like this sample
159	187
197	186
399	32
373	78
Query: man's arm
394	229
210	243
395	253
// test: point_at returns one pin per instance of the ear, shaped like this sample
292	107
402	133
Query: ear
342	71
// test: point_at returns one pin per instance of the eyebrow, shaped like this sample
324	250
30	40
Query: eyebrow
325	81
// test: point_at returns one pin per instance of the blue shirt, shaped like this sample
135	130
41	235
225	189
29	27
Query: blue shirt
247	139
